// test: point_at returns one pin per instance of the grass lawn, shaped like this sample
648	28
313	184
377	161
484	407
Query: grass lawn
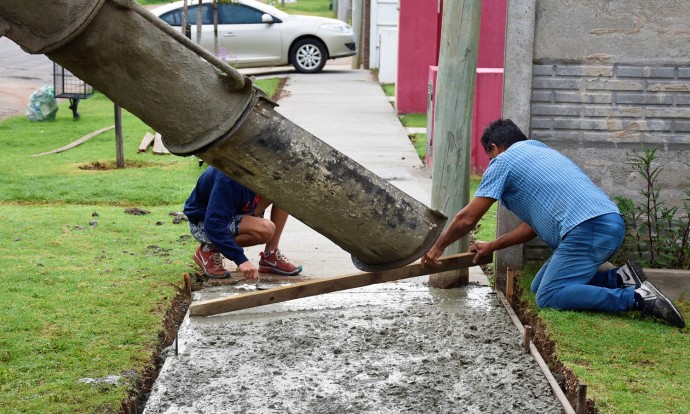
85	286
630	364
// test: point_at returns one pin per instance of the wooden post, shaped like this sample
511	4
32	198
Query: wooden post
527	338
334	284
119	145
510	285
581	406
457	72
357	23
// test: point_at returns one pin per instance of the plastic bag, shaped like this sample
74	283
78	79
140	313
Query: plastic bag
42	104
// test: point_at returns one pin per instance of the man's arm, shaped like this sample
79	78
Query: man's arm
462	224
521	234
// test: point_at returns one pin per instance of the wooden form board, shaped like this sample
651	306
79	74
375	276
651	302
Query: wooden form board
77	142
146	142
158	147
334	284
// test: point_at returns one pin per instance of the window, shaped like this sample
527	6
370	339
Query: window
232	13
174	18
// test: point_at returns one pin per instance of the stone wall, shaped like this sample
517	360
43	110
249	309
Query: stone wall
609	77
597	114
597	79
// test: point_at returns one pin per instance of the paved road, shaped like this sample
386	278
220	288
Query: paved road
21	73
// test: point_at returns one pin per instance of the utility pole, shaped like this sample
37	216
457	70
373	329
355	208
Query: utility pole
457	71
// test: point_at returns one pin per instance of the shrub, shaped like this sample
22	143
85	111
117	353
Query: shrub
657	234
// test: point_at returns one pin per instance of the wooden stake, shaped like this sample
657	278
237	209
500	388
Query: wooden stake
527	337
334	284
187	288
581	406
510	285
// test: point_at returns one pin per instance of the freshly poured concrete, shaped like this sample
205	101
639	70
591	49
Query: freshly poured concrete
396	347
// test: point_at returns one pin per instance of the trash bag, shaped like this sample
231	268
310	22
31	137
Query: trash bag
42	104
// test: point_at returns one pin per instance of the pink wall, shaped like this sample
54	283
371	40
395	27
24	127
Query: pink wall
418	47
492	34
487	107
419	35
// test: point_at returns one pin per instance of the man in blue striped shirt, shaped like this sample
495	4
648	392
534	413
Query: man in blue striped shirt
556	201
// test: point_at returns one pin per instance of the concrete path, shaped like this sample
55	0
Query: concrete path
396	347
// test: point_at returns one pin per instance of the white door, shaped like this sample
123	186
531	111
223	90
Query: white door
384	15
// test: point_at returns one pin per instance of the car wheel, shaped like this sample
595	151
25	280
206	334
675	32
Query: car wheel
308	56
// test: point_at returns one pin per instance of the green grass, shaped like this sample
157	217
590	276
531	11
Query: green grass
414	120
630	364
84	285
388	89
308	7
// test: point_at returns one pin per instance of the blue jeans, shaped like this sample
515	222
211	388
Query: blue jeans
570	278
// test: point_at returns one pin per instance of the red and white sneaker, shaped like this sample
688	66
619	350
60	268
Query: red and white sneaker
211	261
275	262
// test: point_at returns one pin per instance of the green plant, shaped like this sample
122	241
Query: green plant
657	234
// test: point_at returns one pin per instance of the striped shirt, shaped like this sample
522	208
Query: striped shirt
544	188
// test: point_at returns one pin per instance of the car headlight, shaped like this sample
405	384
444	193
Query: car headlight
336	27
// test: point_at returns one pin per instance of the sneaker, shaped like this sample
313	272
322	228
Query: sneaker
211	261
655	304
631	275
277	263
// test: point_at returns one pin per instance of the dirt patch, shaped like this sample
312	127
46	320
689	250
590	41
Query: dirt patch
280	90
565	377
112	165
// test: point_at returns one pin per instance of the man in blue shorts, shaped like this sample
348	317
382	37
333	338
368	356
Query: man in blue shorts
225	216
556	201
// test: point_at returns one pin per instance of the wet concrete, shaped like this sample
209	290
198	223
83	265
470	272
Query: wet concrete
390	348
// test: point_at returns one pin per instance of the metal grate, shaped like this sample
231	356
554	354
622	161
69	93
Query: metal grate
69	86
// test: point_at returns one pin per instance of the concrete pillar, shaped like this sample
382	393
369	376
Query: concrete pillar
517	91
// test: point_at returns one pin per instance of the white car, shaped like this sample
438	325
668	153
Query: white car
253	34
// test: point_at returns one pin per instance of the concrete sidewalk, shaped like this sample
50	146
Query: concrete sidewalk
394	347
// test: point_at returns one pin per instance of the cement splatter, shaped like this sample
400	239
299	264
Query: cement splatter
391	348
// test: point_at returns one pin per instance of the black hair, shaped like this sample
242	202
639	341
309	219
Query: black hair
503	133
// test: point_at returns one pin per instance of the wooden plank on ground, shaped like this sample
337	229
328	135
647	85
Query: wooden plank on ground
146	142
77	142
158	147
334	284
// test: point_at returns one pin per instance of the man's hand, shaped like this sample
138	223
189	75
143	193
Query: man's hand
248	270
481	248
431	257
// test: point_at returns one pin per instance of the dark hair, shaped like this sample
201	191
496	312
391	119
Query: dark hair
503	133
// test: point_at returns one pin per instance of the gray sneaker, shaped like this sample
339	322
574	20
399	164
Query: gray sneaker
655	304
631	275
